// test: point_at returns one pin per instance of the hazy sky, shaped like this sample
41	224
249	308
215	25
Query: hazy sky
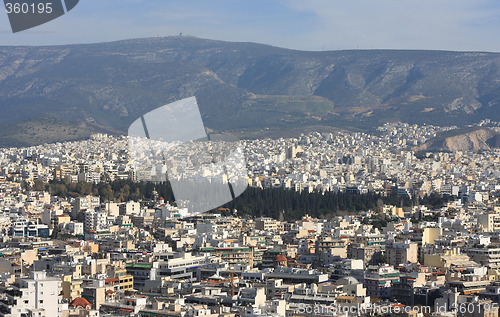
299	24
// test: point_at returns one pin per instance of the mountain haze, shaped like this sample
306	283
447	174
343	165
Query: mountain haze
243	86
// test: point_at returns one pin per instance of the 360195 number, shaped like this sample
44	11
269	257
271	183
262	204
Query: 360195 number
24	8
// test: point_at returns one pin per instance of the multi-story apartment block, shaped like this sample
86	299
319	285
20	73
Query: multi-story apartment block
266	224
232	255
488	256
95	221
369	254
489	221
39	296
401	253
379	279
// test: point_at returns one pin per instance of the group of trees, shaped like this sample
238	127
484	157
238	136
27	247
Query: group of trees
276	203
292	205
118	190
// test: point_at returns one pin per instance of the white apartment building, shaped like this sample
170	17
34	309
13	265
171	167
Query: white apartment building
40	296
85	203
266	224
95	220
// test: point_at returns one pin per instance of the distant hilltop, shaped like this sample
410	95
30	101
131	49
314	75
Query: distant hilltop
468	139
241	87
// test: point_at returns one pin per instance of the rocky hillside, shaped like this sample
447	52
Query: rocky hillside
245	86
474	139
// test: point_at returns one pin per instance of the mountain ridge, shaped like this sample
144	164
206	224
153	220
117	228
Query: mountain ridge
241	85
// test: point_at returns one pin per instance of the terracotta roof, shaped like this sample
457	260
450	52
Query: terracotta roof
113	279
397	305
80	302
280	258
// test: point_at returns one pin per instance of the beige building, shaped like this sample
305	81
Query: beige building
393	211
369	254
328	250
401	253
232	255
71	288
431	234
446	258
266	224
489	222
126	281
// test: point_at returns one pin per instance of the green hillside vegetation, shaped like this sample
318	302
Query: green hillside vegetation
43	130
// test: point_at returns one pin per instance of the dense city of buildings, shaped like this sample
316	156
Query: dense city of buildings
83	256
